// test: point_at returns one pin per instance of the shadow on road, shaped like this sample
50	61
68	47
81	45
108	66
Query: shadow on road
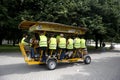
23	68
20	68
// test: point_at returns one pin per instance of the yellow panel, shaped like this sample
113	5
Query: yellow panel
23	51
70	60
50	26
34	62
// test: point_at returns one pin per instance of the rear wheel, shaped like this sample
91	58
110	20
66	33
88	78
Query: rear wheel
51	64
87	59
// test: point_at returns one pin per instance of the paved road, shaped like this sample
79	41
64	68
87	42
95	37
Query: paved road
104	66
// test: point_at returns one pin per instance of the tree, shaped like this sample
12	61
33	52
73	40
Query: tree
101	17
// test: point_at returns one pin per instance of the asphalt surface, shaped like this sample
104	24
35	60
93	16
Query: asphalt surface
104	66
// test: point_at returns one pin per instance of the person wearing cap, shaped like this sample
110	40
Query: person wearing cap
62	45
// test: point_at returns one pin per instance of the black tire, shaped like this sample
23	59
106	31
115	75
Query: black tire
51	64
87	59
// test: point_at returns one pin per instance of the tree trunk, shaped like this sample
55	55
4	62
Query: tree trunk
0	41
96	41
100	42
14	42
8	42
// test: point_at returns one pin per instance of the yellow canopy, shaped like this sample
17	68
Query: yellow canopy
50	26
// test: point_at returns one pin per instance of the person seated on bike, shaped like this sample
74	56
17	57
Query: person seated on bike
25	43
24	39
62	46
83	46
69	47
32	46
52	44
42	46
76	46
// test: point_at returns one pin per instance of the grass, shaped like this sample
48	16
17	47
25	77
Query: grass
99	49
9	48
90	47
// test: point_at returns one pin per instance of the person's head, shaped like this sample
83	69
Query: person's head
52	35
33	37
25	35
61	35
82	36
69	36
41	33
76	35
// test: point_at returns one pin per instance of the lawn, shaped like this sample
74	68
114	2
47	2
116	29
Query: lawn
9	48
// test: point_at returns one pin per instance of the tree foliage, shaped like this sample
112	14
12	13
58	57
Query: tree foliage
101	17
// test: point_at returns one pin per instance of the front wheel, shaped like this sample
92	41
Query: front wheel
51	64
87	59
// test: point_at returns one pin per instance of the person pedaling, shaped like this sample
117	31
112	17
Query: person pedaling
67	48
